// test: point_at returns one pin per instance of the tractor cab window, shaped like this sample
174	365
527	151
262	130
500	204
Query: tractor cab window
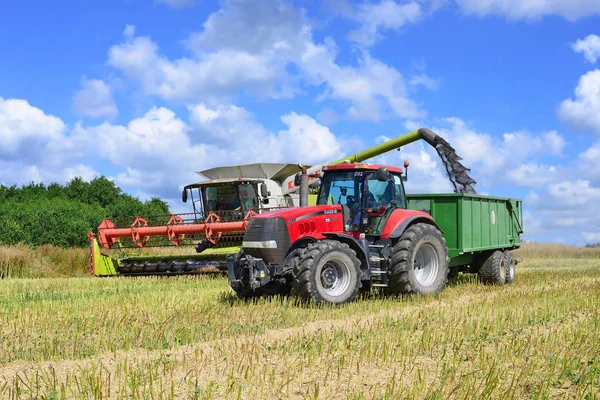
342	188
383	193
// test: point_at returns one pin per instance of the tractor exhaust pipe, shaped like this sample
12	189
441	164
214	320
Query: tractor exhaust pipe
303	186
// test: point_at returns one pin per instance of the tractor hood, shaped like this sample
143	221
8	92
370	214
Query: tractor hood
294	214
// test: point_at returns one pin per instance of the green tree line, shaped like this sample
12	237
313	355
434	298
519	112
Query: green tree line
37	214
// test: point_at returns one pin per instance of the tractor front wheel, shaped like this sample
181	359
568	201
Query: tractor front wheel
328	271
419	261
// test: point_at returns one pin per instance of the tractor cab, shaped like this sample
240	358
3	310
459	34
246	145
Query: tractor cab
368	194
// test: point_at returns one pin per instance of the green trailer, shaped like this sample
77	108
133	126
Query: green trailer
474	226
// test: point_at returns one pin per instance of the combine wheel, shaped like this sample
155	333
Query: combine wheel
328	271
511	266
493	270
419	261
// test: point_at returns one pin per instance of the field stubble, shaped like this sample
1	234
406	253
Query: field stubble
188	337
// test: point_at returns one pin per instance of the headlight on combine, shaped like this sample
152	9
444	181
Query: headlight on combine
265	244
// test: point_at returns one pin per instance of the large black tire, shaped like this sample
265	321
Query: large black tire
328	271
419	262
511	266
493	269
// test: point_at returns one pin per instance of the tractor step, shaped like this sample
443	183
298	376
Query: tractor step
378	272
375	258
379	285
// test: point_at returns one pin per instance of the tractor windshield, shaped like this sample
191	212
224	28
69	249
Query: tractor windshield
348	189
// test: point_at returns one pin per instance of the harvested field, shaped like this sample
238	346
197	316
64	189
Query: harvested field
189	337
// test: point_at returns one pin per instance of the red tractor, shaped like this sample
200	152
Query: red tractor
359	235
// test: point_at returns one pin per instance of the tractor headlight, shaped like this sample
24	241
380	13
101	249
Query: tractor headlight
265	244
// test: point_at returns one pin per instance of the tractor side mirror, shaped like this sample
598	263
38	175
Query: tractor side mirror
383	174
263	190
406	165
184	195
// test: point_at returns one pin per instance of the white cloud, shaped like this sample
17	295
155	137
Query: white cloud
575	193
176	3
386	14
153	151
22	125
307	141
188	79
35	146
253	47
159	152
531	9
590	47
513	159
583	113
424	80
95	100
373	90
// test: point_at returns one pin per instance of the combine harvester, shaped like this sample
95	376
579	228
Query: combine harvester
223	205
365	232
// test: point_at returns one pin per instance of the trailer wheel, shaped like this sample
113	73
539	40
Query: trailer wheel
511	267
493	269
328	271
419	261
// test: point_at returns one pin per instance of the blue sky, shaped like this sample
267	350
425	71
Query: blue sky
147	92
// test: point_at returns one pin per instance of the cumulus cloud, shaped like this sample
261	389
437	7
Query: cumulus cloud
159	152
530	9
589	47
35	146
95	100
583	112
513	158
253	47
21	124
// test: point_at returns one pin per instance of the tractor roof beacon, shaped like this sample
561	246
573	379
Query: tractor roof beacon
359	235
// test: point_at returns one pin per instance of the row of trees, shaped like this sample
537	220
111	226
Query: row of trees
37	214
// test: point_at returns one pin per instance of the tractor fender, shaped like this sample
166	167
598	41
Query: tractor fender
354	245
404	224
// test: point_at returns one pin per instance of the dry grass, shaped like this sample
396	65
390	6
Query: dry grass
23	261
534	251
190	338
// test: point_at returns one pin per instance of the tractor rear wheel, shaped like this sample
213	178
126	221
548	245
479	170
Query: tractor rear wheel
511	266
419	261
493	269
328	271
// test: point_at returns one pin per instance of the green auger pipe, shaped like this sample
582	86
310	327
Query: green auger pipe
422	133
